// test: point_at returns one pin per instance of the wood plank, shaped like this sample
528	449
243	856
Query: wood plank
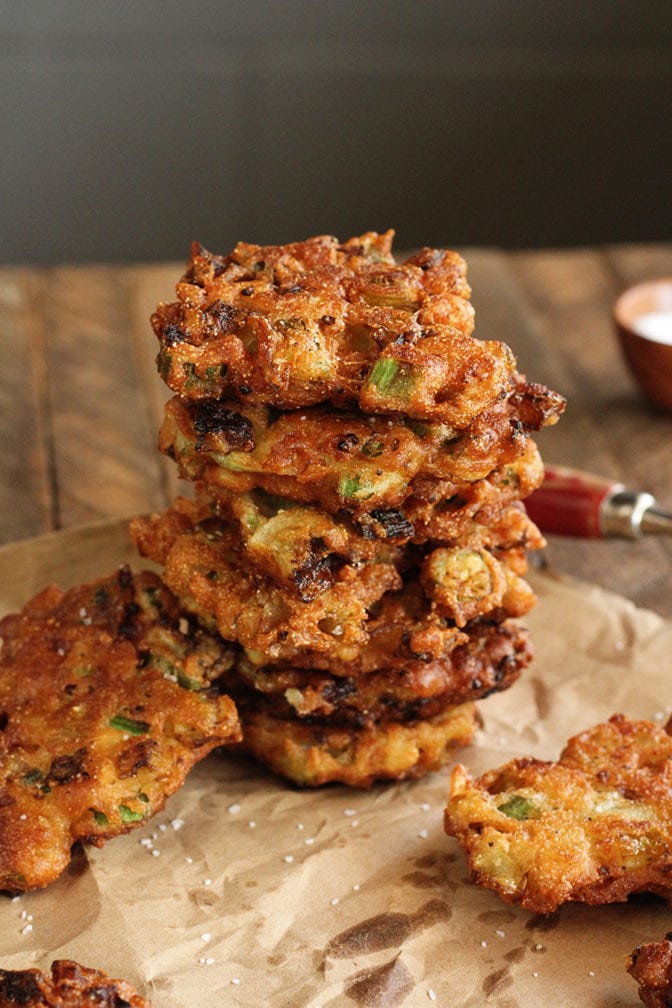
145	287
106	462
27	499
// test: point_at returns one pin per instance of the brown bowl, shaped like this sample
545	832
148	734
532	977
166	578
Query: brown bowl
643	316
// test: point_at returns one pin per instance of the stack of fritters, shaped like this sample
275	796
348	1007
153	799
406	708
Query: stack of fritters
359	460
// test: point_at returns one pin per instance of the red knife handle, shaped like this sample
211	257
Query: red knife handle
570	502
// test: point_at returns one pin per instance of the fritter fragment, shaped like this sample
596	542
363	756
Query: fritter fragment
651	966
108	696
319	753
345	460
593	827
69	985
320	321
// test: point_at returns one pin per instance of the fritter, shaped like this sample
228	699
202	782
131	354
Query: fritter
305	550
319	753
320	321
651	966
344	460
69	985
206	566
490	660
367	619
108	696
593	827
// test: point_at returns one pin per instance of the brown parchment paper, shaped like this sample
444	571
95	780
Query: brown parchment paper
245	891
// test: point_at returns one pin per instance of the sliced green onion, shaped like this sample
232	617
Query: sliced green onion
128	815
518	807
129	725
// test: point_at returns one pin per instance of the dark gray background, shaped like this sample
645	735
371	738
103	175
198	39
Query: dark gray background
131	128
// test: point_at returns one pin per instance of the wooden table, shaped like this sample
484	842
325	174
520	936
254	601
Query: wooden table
82	402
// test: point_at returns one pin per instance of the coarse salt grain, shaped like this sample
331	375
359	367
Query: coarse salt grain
155	852
425	808
431	995
234	808
423	834
349	811
484	944
207	881
177	824
289	858
235	980
500	934
27	929
206	936
251	824
355	887
335	901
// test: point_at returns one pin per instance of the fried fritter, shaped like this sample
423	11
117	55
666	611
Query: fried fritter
303	548
344	460
651	966
306	550
593	827
490	660
206	566
320	321
108	696
371	617
68	986
319	753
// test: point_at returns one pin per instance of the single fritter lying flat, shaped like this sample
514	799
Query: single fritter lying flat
651	966
403	689
322	321
69	985
594	827
108	696
346	459
321	752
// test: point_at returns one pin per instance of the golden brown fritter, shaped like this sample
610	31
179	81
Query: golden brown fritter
651	966
319	753
318	321
371	616
108	696
593	827
69	985
306	550
490	660
205	565
344	460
